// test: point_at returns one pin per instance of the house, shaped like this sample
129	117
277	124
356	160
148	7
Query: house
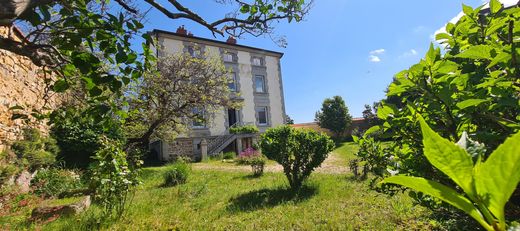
257	80
359	124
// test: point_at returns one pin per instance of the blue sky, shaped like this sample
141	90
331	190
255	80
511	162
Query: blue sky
347	48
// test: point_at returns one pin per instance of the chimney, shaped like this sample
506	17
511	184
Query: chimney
231	40
181	30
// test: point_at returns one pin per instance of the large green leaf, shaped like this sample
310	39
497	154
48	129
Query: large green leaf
449	158
470	103
477	52
499	176
495	6
441	192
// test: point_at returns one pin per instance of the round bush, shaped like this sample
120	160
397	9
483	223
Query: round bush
299	151
176	174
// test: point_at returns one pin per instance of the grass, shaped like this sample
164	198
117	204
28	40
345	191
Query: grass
223	200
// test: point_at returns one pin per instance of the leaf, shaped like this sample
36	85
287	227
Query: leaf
19	116
60	85
495	6
502	57
477	52
439	191
499	176
442	36
467	10
386	110
16	107
372	130
470	103
431	55
449	158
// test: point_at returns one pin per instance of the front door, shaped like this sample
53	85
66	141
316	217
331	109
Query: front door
232	117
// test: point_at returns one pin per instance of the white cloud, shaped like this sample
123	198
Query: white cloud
378	52
374	59
374	55
410	53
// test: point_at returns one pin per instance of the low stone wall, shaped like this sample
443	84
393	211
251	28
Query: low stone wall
21	83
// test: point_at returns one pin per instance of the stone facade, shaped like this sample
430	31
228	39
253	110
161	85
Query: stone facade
21	83
257	85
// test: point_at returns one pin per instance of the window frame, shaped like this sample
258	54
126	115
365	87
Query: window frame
260	60
235	82
266	111
264	82
203	124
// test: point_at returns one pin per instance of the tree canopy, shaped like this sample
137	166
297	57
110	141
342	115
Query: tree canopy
334	115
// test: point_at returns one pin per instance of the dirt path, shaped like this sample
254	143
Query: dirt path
332	165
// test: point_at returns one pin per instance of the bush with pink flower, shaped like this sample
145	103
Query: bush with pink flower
252	157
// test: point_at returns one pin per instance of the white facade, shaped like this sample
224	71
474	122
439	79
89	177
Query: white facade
262	106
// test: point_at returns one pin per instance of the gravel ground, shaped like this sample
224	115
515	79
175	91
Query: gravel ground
332	165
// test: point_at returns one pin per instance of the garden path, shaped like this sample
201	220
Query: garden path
334	164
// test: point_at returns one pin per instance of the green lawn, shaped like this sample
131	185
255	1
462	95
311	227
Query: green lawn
223	200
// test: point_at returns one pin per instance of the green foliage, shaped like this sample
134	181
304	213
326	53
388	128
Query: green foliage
472	87
111	179
6	171
487	185
244	129
35	150
299	151
229	155
334	115
54	182
374	156
78	136
176	173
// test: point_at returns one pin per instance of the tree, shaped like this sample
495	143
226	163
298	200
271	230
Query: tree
89	42
471	87
334	115
370	114
182	90
299	151
288	120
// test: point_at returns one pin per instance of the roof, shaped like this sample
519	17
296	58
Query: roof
158	31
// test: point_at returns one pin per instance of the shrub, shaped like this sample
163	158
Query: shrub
469	87
486	185
78	136
254	158
299	151
228	155
112	180
53	182
6	171
35	150
245	129
176	173
8	166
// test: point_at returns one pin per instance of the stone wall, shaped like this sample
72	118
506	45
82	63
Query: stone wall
21	83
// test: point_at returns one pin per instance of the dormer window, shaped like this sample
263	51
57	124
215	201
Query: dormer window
257	61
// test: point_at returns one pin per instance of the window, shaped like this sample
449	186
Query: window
261	115
228	57
198	120
260	84
194	51
233	85
257	61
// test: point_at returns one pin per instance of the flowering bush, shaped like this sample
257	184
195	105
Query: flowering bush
252	157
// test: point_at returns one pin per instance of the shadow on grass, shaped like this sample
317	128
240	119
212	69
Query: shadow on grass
266	198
